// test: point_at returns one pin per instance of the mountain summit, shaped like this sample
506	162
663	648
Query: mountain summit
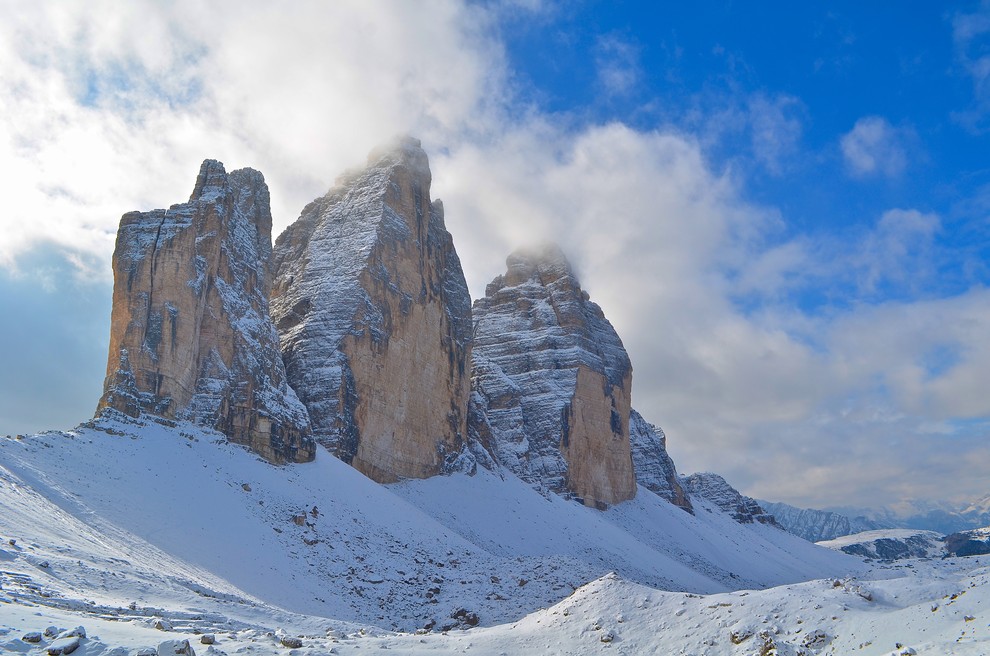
375	319
190	334
555	381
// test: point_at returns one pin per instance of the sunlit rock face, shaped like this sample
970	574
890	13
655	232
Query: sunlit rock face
190	335
716	489
375	319
654	468
554	381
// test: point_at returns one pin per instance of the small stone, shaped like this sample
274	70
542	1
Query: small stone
207	639
79	631
52	631
162	624
176	648
291	642
34	636
63	646
245	487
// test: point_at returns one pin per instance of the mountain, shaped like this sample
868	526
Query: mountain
726	498
190	333
554	381
940	516
890	544
973	542
375	319
654	468
819	525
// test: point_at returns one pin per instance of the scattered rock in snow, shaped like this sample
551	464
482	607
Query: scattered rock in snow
161	624
63	646
176	648
291	642
34	636
208	639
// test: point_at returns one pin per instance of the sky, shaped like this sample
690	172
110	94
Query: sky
783	208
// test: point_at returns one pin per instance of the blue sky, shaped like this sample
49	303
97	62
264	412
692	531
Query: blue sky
782	207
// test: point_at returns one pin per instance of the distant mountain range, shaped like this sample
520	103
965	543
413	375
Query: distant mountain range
940	517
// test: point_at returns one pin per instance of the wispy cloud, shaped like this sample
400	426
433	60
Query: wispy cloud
874	147
971	35
617	63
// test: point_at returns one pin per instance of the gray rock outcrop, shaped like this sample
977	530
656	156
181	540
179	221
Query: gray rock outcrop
375	319
654	468
190	333
715	489
554	381
817	525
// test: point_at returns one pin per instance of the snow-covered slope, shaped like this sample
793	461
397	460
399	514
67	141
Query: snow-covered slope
131	526
890	544
322	539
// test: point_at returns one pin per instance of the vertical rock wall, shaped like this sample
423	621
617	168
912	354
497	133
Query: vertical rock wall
375	319
555	381
190	334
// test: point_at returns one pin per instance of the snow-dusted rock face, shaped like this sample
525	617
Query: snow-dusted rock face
714	488
554	381
654	469
974	542
190	333
817	525
375	319
890	544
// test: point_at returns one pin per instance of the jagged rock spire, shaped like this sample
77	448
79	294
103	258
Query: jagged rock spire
555	380
375	319
190	334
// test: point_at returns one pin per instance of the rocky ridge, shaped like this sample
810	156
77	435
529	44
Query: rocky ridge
375	319
190	333
654	469
890	544
554	381
817	525
714	488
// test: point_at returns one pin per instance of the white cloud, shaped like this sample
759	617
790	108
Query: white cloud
776	129
969	35
617	63
875	147
112	107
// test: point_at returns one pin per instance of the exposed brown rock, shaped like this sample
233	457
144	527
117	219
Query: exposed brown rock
554	381
190	334
375	319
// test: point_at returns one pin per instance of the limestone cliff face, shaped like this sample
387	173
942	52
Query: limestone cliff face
554	381
375	319
190	333
715	489
654	469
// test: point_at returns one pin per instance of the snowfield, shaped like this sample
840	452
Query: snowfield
142	533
